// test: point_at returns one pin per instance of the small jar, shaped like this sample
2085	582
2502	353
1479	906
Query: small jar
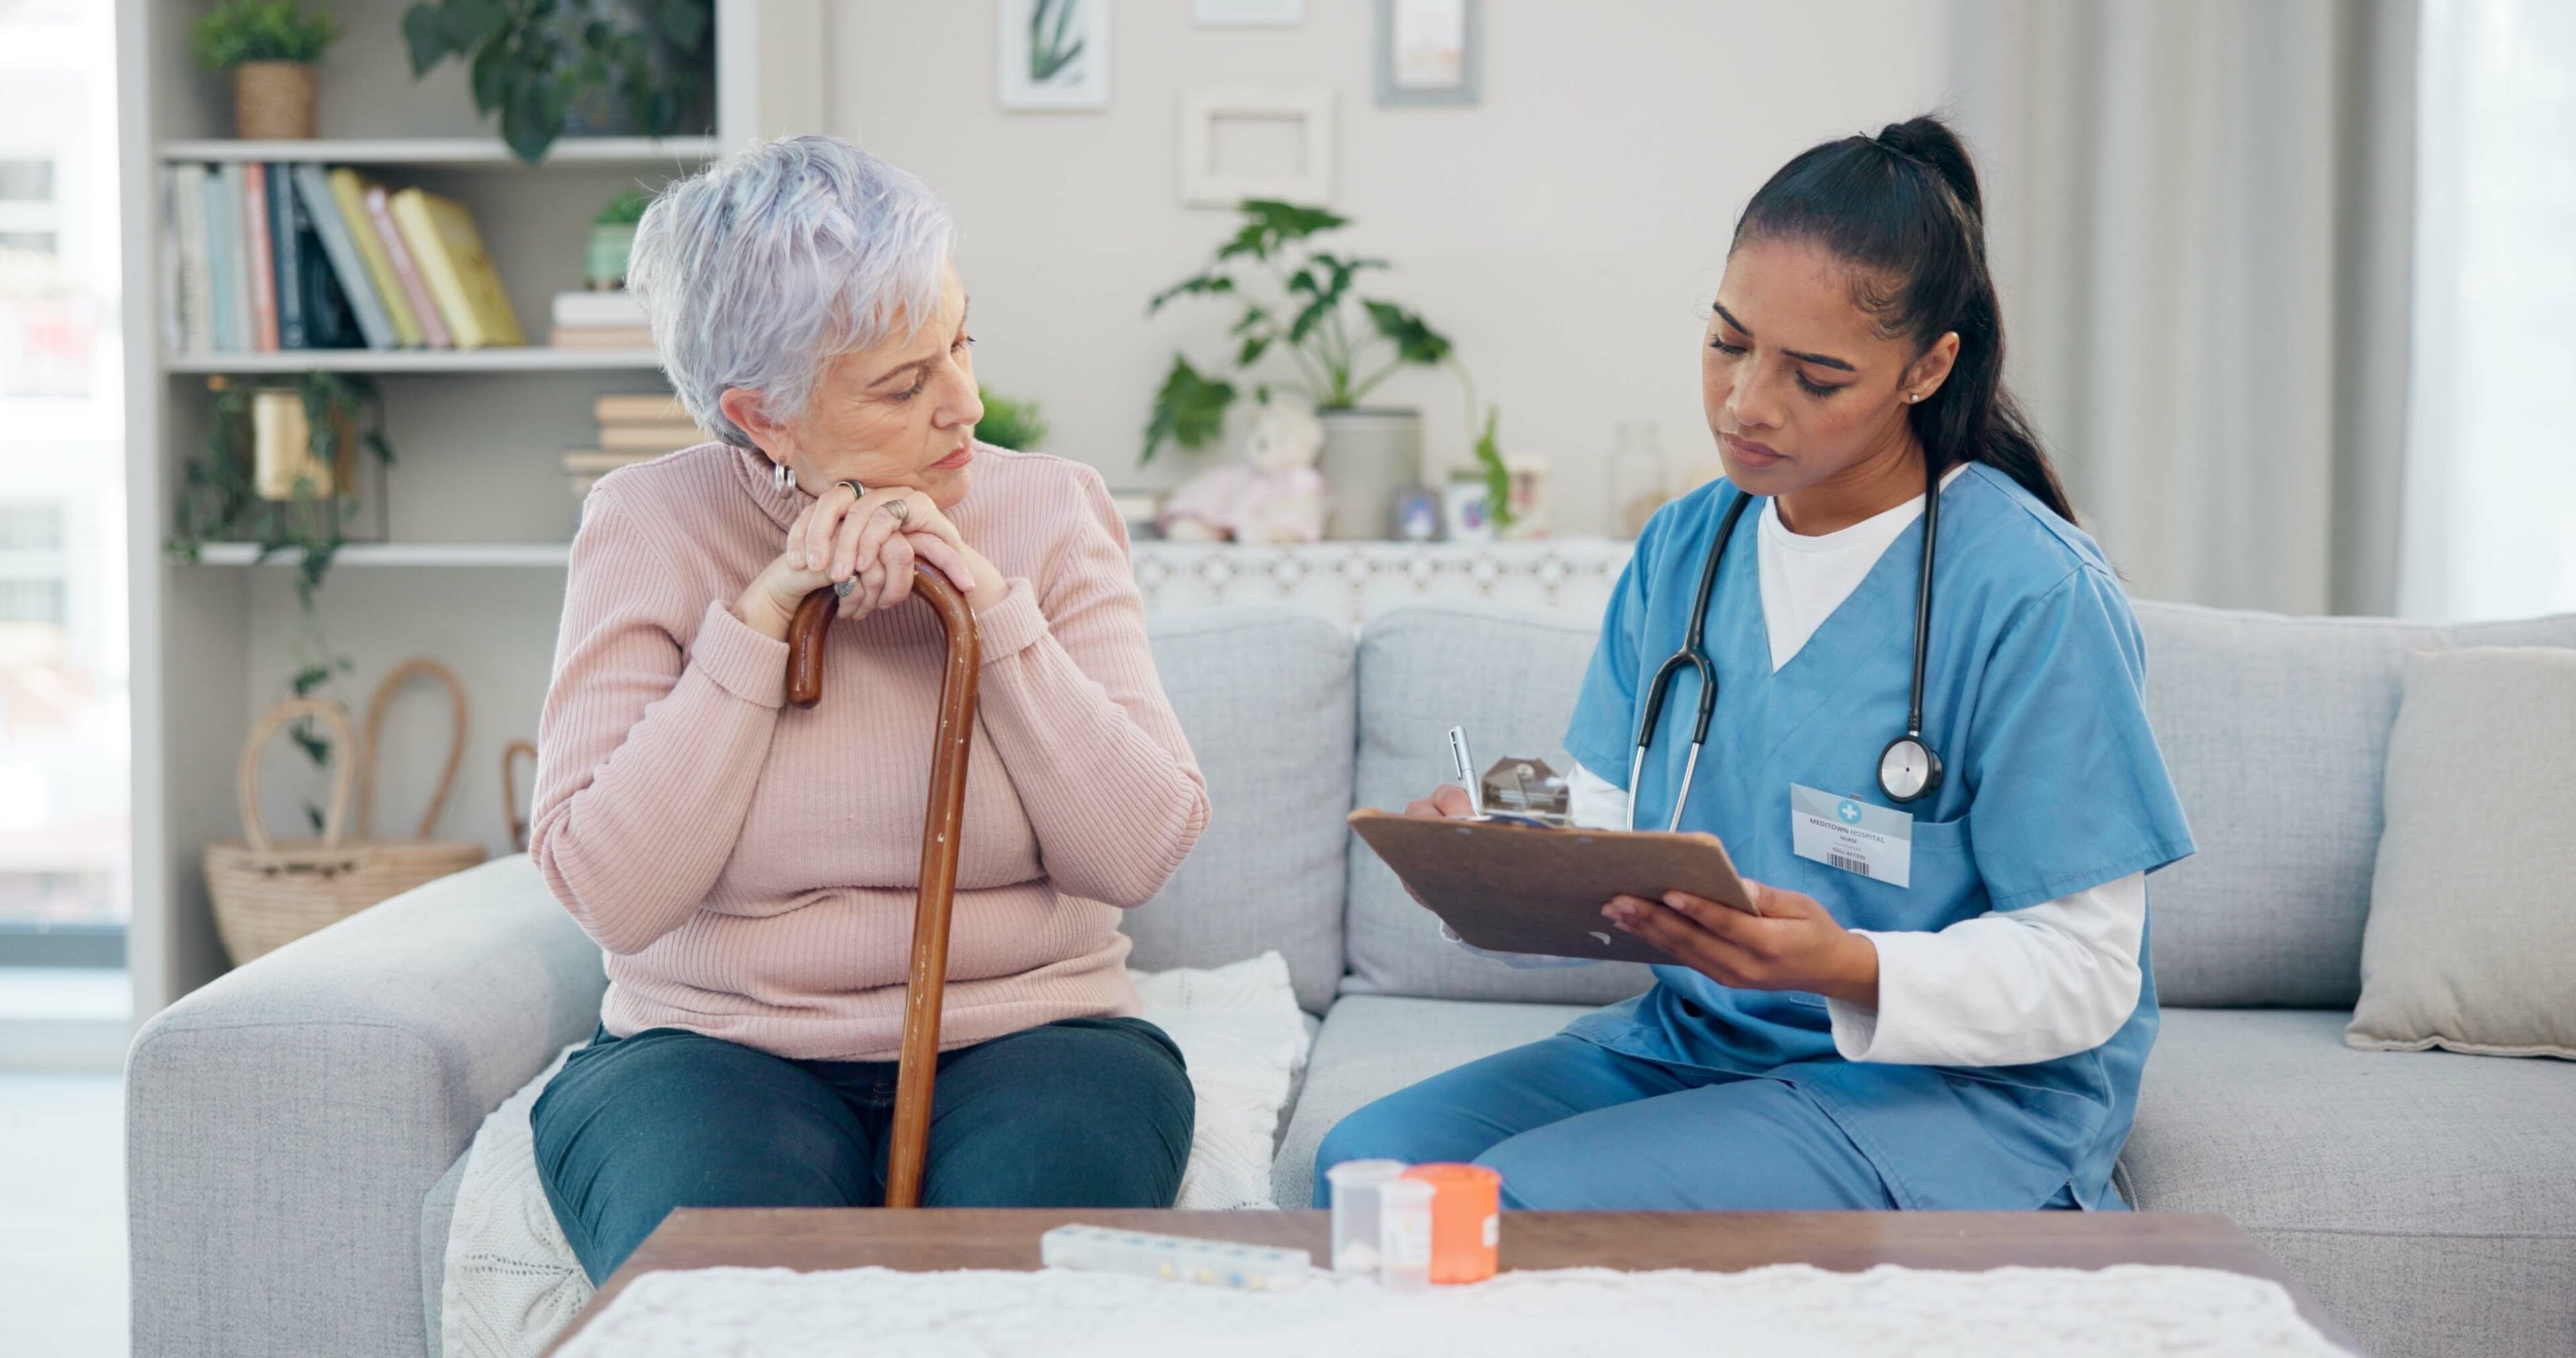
1466	1220
1355	1185
1404	1235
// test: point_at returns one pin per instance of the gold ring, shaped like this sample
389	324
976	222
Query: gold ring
900	509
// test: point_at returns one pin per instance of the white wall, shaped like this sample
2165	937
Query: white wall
1566	233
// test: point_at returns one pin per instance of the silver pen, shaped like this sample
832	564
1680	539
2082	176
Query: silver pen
1466	766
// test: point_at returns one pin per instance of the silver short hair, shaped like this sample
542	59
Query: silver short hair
757	272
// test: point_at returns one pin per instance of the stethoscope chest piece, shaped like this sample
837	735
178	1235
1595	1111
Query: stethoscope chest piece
1907	769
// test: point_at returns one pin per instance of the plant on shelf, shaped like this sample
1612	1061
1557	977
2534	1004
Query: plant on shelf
1301	301
538	63
271	48
1010	423
221	498
612	238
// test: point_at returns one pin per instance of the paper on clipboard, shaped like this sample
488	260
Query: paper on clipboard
1511	888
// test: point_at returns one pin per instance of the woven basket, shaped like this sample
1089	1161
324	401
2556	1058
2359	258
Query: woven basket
273	100
268	894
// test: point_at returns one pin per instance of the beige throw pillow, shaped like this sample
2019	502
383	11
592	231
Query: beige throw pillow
2471	943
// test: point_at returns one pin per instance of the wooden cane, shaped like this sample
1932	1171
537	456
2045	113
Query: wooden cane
919	1066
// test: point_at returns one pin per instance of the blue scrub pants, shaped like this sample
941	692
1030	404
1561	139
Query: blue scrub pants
1574	1126
1078	1113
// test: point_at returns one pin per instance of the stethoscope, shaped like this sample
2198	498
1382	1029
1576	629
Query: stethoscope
1907	768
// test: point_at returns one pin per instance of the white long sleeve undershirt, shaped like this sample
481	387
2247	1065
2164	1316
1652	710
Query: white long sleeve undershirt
2008	987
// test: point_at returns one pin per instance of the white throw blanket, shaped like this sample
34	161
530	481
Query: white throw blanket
512	1283
2131	1311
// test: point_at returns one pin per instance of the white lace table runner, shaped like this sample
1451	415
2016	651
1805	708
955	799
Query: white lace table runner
1792	1308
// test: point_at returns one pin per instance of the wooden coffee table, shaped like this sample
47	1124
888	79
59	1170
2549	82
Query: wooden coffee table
808	1239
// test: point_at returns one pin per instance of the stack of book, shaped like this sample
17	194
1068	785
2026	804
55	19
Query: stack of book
599	319
264	256
631	429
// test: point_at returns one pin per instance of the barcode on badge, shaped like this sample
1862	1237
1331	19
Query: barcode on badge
1846	862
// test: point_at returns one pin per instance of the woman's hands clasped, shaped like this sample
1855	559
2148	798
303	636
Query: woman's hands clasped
844	535
1794	944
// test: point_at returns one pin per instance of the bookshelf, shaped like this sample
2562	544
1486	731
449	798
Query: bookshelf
530	359
449	151
477	512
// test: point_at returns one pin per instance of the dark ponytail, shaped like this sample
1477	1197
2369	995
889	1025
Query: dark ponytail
1903	208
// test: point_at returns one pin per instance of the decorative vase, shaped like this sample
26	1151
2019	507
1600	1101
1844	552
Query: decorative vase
610	246
273	101
283	466
1369	455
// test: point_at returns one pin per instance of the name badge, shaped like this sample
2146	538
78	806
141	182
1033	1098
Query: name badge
1845	833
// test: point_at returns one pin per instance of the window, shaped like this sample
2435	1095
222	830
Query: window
30	216
33	568
2490	517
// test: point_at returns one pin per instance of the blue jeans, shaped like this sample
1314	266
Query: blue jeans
1078	1113
1573	1126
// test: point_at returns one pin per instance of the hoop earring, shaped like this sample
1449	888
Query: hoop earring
782	476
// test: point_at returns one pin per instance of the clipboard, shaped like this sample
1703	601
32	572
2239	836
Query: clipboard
1516	888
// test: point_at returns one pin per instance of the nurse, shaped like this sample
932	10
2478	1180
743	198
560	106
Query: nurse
1946	1000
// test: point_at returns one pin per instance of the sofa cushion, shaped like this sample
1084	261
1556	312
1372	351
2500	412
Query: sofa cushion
1510	679
1372	1046
2471	943
1264	696
2427	1199
2276	731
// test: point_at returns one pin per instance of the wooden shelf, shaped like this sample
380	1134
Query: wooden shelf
454	152
547	555
530	358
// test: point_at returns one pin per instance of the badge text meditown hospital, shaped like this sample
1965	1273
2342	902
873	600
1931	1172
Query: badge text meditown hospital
1841	832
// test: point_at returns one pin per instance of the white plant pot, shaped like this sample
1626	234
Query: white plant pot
1369	455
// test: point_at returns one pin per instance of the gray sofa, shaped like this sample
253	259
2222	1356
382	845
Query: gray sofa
295	1129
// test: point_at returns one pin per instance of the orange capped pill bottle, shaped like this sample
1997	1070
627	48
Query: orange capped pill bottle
1466	1220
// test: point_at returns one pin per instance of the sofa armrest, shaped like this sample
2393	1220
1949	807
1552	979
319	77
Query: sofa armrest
283	1123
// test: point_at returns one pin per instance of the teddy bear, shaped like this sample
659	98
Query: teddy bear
1274	495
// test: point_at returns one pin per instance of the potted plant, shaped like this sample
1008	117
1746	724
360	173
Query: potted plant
612	238
1299	301
271	47
1010	422
279	469
547	65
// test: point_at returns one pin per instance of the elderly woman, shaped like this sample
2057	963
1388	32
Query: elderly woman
751	869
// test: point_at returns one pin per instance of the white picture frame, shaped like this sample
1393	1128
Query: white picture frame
1207	183
1051	55
1248	13
1430	53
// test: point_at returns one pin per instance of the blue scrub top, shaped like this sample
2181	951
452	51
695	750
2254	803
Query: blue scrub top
2052	783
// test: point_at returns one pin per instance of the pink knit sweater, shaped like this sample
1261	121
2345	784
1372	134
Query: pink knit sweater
750	868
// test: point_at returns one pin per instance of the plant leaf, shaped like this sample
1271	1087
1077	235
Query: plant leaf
1308	317
1289	221
1189	409
1254	346
425	36
1498	478
683	23
472	23
489	78
1415	342
1206	284
533	117
1252	240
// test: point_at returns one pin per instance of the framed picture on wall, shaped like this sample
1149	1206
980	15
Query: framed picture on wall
1054	54
1248	13
1238	144
1428	51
